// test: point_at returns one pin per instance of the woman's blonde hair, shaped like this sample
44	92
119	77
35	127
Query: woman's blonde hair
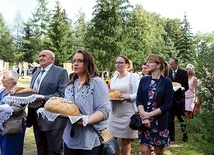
158	59
191	67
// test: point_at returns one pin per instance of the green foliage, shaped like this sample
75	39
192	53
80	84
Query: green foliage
201	132
201	127
103	37
6	42
40	23
185	44
57	36
172	31
142	35
29	43
80	32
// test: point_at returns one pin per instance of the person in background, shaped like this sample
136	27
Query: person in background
34	70
190	94
145	71
22	71
179	75
154	100
105	77
90	93
12	144
49	81
124	108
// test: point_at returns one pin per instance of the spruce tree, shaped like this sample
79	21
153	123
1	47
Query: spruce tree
103	36
58	34
7	42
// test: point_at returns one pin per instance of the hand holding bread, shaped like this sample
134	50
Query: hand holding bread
61	106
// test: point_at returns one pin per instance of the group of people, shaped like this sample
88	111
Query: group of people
151	95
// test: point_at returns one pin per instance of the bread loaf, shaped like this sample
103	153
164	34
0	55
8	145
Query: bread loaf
21	91
114	94
61	106
176	84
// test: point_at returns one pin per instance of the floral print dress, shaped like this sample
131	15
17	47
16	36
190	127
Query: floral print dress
153	136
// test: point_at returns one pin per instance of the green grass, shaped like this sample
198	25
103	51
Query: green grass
176	148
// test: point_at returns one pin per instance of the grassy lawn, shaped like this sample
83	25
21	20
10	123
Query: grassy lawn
176	148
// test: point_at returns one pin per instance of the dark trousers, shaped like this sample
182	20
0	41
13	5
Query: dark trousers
179	111
95	151
48	142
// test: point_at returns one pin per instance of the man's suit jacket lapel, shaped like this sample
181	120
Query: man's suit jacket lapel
178	73
34	78
47	76
170	75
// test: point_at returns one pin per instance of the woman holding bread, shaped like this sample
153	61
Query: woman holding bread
12	137
124	107
90	94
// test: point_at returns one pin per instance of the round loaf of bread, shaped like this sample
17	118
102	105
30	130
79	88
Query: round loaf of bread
62	106
114	94
176	84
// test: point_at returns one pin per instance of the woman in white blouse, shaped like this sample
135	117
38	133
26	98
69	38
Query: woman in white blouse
124	108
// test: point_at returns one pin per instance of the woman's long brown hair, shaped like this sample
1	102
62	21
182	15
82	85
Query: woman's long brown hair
90	68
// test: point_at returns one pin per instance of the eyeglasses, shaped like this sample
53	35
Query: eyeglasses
150	62
119	63
77	61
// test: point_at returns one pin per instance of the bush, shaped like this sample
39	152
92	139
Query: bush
201	128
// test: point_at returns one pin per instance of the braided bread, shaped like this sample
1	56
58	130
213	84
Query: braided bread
61	106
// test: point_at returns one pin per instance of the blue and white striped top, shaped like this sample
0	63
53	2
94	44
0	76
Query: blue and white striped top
89	99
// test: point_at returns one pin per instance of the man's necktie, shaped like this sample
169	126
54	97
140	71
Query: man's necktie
173	75
38	80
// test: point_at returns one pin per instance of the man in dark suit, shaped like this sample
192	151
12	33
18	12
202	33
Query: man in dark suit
178	107
49	81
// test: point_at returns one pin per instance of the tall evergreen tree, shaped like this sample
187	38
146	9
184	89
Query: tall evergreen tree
29	43
80	30
57	36
172	32
6	42
186	43
142	36
103	36
40	23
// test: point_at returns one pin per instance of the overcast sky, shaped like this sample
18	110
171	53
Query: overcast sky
199	12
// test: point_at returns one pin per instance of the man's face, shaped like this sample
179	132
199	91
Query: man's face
45	59
173	65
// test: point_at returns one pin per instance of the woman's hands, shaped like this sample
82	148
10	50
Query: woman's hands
125	98
145	116
146	122
80	122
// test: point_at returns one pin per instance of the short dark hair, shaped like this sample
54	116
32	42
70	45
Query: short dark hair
175	59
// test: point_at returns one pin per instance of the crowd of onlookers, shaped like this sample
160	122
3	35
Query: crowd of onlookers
150	93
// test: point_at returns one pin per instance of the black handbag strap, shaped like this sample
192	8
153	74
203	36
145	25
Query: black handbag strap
99	135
